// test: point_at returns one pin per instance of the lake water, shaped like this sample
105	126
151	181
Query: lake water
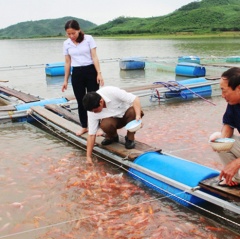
48	190
15	53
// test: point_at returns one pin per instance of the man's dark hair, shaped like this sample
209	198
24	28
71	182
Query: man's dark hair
233	77
91	101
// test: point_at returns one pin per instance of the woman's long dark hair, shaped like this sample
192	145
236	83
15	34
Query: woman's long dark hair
75	25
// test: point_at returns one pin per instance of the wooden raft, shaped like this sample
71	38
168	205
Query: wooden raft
155	86
116	148
211	184
18	94
133	89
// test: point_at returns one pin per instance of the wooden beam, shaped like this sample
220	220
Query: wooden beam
64	112
18	94
211	184
7	108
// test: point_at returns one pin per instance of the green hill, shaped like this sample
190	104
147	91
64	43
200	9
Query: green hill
42	28
206	16
197	17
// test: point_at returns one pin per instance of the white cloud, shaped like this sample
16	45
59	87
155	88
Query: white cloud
99	12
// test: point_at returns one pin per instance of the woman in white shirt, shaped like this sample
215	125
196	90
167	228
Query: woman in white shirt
80	54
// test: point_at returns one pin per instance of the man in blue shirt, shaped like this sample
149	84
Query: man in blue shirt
230	86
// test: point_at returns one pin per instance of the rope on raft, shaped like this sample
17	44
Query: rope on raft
174	87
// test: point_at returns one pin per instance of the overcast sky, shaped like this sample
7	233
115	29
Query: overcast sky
96	11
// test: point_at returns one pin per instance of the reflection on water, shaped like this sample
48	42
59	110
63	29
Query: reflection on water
132	74
132	77
54	80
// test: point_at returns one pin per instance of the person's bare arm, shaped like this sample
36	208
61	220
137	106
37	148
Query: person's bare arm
137	108
67	68
90	145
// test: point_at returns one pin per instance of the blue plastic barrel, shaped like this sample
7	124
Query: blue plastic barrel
190	59
55	69
27	106
190	70
203	91
180	170
131	64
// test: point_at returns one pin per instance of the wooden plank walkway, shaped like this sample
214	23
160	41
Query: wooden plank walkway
144	87
116	148
7	108
18	94
232	193
64	112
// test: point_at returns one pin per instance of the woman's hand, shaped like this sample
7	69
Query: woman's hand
100	80
64	86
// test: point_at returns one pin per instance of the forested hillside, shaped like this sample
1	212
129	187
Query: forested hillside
197	17
42	28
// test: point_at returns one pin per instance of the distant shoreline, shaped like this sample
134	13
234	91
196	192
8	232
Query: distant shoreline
181	35
176	35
